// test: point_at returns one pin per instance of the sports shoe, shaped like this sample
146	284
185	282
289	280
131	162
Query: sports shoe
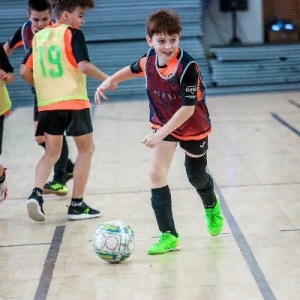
53	187
3	189
82	211
214	219
167	242
35	207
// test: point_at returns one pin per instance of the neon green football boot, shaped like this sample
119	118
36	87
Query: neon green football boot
214	219
53	187
167	242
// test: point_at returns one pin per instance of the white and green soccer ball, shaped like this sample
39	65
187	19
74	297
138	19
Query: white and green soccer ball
113	241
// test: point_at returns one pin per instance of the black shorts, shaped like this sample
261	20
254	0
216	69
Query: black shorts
59	122
1	132
194	147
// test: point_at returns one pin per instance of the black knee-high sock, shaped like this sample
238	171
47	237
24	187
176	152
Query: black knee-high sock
207	193
61	165
70	166
162	206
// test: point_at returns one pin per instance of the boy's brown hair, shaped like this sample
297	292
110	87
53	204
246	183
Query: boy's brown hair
164	21
59	6
38	5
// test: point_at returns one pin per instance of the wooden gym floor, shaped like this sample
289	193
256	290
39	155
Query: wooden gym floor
254	159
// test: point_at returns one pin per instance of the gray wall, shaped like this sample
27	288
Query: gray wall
218	25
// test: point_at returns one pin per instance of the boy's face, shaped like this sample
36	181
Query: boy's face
165	46
40	19
75	19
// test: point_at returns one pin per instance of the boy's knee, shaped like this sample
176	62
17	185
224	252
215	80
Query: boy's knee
196	172
88	150
155	175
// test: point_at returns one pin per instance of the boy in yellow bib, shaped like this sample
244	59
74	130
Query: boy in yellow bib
39	17
57	67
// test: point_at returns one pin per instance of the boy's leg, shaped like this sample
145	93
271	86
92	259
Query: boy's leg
64	164
3	183
85	146
204	185
47	161
78	209
58	184
160	160
43	170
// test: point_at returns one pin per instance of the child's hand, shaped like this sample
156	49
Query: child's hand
3	75
104	86
152	140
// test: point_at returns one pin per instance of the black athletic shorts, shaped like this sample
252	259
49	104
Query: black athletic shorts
194	147
1	132
59	122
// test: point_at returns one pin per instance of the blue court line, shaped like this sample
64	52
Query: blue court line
248	255
46	276
280	120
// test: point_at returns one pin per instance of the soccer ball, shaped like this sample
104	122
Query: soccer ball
113	241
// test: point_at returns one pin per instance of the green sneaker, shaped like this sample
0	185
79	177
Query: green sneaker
53	187
167	242
214	219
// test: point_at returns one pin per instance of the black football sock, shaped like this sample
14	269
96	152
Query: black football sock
37	190
60	166
162	206
76	201
207	194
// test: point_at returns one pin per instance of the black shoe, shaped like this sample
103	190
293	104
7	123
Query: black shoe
35	206
82	211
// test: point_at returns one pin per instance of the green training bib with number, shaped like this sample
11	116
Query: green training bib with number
56	79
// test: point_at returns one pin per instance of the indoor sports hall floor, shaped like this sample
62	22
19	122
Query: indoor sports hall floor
254	157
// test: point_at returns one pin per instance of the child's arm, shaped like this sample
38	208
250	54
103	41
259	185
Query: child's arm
91	70
182	115
26	74
111	82
6	71
7	49
7	77
14	41
26	68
